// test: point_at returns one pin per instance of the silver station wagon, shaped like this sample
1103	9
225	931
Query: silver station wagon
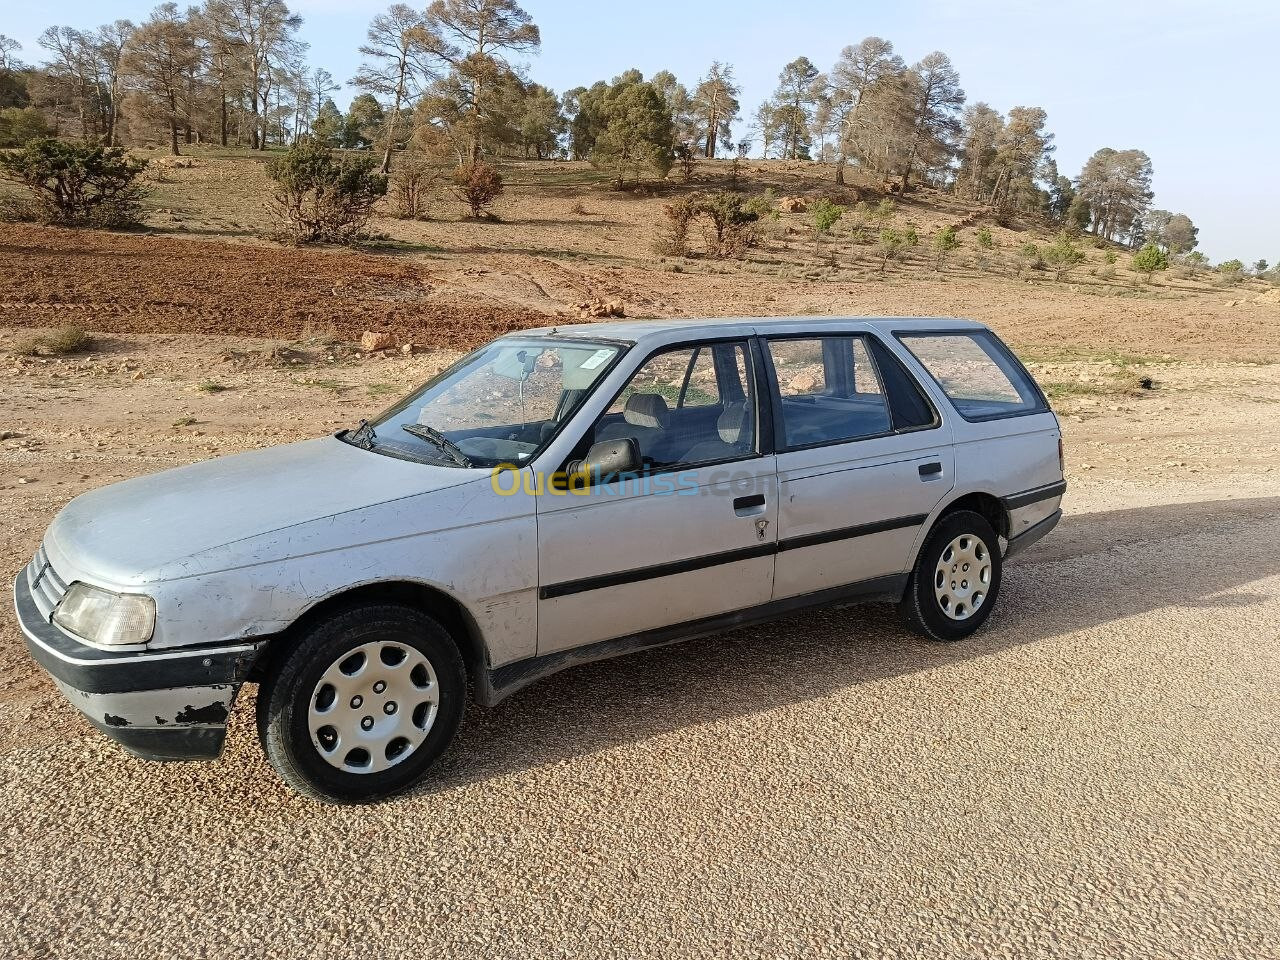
559	496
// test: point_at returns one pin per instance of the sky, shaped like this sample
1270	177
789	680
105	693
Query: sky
1184	80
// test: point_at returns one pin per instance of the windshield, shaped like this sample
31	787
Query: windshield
501	404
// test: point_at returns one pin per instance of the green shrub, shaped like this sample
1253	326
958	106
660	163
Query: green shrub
19	125
761	205
1150	259
944	242
320	197
75	184
985	240
1030	257
890	246
673	235
1062	255
729	226
1110	257
825	215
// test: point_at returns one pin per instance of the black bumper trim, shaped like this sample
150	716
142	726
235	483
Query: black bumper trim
1033	533
174	744
1028	497
101	671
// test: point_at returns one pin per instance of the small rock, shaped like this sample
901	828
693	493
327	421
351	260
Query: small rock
407	349
371	341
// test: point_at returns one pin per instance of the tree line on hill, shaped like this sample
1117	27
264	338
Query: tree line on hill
446	82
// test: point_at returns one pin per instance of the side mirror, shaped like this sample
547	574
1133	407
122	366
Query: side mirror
608	458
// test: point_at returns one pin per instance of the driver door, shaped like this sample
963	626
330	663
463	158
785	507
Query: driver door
692	535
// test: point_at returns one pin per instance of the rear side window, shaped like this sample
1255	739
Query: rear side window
829	389
976	372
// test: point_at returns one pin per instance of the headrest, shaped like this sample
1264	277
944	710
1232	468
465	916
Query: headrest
731	423
646	410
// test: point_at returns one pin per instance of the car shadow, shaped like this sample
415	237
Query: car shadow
1095	569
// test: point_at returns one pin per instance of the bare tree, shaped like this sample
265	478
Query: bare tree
8	53
70	74
255	34
860	70
715	106
159	60
400	55
319	85
109	42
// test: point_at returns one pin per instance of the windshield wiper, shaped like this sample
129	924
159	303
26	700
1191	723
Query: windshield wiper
440	440
362	436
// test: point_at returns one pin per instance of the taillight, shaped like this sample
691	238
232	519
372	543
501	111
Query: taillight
1062	458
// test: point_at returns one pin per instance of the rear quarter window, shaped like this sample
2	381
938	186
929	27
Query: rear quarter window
977	373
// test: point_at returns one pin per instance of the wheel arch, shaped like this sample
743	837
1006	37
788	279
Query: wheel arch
987	505
436	603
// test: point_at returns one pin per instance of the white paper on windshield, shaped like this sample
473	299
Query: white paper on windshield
597	358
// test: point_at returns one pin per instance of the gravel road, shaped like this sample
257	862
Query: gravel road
1093	775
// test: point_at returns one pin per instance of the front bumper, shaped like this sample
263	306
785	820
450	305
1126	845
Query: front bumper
160	704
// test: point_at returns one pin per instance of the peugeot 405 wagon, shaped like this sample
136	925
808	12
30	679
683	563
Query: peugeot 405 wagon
561	495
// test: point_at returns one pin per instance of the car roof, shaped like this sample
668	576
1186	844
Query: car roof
637	331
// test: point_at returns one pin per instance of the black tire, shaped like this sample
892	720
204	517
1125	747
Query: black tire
285	698
921	608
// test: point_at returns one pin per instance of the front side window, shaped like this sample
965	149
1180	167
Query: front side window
687	406
501	404
830	390
976	373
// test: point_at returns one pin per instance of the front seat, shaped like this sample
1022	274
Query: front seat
734	436
646	418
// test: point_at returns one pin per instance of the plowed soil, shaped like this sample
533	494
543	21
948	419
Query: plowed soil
125	283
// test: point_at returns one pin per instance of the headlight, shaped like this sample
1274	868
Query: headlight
101	616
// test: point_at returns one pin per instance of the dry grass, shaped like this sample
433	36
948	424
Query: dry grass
60	343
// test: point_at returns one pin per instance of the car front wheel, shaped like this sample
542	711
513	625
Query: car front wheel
956	578
362	704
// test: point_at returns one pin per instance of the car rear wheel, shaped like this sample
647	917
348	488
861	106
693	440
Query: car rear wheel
956	578
363	704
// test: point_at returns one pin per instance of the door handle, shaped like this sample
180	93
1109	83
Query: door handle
748	505
928	470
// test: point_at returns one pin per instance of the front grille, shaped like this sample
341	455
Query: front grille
46	586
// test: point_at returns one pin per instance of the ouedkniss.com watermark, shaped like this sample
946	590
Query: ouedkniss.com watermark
511	480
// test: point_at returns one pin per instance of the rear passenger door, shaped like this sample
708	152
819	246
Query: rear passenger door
863	458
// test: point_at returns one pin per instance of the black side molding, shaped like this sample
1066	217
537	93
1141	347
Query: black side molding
1028	497
848	533
570	587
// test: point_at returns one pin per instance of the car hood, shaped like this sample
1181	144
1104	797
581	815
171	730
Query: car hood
127	533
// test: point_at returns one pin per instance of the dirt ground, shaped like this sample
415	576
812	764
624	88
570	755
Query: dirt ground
1093	775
